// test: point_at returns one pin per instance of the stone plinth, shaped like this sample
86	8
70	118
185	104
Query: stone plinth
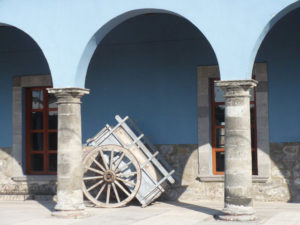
69	155
238	166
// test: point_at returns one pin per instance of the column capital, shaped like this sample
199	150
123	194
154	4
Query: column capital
68	95
236	88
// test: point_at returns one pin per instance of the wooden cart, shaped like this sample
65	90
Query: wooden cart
120	163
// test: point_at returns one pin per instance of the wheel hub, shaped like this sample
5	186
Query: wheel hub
109	176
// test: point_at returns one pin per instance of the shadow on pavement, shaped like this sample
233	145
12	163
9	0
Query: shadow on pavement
47	204
197	208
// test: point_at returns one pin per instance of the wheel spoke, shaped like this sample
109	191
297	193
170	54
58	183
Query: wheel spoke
94	170
98	164
91	178
126	182
112	176
119	161
103	159
95	185
126	174
108	193
116	192
111	160
123	167
122	188
100	191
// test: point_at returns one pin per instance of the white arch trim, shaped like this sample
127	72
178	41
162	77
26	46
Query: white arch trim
104	30
267	28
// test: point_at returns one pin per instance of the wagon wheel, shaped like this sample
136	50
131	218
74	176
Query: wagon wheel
112	176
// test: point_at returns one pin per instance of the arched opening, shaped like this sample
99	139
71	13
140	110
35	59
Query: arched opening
24	75
280	50
146	68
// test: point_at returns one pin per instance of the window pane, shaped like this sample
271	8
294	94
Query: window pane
252	94
37	120
220	161
254	162
52	120
253	137
37	99
220	115
219	94
37	162
52	101
52	162
52	141
37	141
252	113
220	137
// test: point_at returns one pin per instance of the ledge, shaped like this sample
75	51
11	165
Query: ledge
220	178
35	178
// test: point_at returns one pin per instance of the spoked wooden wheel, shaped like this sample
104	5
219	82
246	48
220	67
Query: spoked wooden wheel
112	176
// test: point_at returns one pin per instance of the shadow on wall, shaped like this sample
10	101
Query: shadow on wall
280	49
284	184
146	68
15	186
285	172
178	157
9	168
184	159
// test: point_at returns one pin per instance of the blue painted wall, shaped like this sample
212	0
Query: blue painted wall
147	68
69	31
281	49
19	55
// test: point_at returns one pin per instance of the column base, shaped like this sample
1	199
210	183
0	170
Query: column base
236	217
75	214
237	213
68	207
69	200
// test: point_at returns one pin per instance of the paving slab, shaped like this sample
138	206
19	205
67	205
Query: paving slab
159	213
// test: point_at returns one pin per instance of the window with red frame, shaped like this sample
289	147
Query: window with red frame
41	131
218	129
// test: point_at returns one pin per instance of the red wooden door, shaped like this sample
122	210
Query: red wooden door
41	131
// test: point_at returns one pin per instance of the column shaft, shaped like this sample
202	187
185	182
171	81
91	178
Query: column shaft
69	162
238	165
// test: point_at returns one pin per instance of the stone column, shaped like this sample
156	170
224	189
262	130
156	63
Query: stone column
69	152
238	166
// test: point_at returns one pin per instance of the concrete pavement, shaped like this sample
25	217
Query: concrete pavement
160	213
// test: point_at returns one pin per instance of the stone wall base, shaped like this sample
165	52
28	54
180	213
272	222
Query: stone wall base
284	184
14	185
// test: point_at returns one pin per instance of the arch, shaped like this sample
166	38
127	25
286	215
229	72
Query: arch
278	46
92	44
24	56
33	39
267	28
